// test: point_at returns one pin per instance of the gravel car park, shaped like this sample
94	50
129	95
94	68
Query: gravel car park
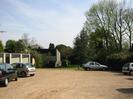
70	84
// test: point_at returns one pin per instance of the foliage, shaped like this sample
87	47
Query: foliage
51	46
65	51
106	35
29	43
20	47
43	60
13	46
25	39
80	51
65	63
117	60
1	47
39	59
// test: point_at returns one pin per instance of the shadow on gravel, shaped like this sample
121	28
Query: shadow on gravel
125	90
2	86
119	74
24	77
129	78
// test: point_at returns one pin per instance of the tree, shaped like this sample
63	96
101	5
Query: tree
80	51
108	15
98	44
11	46
51	46
20	46
128	13
1	47
65	51
26	40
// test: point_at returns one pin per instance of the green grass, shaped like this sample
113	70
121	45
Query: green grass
69	67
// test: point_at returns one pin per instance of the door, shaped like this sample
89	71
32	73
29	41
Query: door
10	72
7	59
92	65
19	67
97	65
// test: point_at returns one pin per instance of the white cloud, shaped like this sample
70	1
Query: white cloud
47	25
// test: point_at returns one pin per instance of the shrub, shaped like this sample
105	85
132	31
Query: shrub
116	61
65	63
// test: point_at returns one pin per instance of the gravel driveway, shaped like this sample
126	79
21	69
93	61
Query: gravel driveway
70	84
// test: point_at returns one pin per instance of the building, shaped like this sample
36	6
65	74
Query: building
52	57
15	58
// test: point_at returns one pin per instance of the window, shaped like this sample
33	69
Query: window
29	65
97	63
8	66
22	65
92	63
18	65
126	65
2	66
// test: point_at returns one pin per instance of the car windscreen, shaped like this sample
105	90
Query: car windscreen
2	67
29	65
126	65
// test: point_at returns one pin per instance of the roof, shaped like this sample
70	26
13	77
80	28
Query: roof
45	51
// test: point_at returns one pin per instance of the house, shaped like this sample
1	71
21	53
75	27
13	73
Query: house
52	57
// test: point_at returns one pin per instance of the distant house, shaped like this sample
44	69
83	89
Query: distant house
15	58
52	57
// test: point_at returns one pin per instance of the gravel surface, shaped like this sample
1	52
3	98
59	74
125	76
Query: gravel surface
70	84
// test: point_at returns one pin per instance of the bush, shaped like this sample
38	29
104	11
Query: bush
43	60
65	63
50	64
116	61
39	59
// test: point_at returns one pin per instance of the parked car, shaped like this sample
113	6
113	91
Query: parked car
94	66
24	69
128	68
7	73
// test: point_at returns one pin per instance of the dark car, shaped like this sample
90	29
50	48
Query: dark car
24	69
7	73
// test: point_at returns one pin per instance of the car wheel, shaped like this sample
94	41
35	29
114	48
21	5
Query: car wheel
131	73
32	74
125	73
6	82
16	78
85	68
104	69
88	69
23	74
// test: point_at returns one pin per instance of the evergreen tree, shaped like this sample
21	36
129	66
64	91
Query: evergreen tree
80	52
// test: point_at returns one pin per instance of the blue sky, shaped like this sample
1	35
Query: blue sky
48	21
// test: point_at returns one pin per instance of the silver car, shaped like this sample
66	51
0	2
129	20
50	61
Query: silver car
94	66
128	68
24	69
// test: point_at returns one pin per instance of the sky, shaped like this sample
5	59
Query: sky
47	21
